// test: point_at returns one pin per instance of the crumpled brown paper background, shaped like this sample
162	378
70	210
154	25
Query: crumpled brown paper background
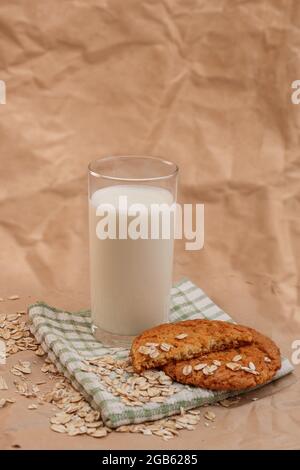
205	83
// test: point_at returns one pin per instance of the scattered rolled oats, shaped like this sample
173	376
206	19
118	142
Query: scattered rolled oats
49	368
33	406
251	366
95	424
237	358
233	366
209	415
209	370
23	366
15	331
217	363
181	336
195	412
154	354
6	334
2	319
144	350
16	372
206	370
72	431
61	418
187	370
166	428
165	347
12	317
267	359
40	352
199	366
10	400
153	392
99	433
2	402
3	384
58	428
229	402
250	371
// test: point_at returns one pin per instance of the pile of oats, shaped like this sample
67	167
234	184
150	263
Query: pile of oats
166	428
28	389
76	417
14	330
133	389
74	414
21	368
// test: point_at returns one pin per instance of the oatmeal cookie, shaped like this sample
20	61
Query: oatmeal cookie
233	369
185	340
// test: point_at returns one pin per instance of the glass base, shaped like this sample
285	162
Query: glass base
113	340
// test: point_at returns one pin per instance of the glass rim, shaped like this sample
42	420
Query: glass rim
108	158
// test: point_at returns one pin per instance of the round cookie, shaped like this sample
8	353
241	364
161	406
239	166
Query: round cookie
232	369
183	340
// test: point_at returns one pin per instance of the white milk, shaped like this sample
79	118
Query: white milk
130	279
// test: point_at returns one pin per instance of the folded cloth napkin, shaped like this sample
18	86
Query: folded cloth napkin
68	340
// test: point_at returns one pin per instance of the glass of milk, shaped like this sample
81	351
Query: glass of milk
131	229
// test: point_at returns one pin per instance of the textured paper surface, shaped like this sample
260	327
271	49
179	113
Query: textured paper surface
204	83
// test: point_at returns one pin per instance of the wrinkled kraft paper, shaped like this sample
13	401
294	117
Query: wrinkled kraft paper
206	84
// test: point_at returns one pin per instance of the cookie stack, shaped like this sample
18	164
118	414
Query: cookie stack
210	354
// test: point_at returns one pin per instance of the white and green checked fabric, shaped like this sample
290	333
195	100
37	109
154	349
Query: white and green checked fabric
67	338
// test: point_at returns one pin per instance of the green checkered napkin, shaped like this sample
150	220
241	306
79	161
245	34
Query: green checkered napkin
67	338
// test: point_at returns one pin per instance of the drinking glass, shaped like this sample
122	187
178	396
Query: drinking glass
131	231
